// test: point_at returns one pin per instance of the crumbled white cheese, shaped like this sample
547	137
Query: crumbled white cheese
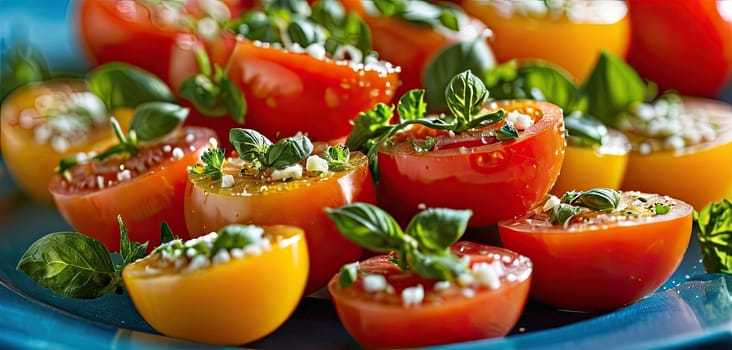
290	172
413	295
178	153
442	285
486	275
374	283
124	175
227	181
316	164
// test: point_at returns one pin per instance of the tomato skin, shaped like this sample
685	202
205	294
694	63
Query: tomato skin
694	58
410	47
228	304
31	164
600	269
373	324
143	202
288	93
573	45
668	172
497	181
206	211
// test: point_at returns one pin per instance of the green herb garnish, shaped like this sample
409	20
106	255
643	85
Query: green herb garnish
121	85
423	247
338	158
573	203
714	226
77	266
257	149
212	162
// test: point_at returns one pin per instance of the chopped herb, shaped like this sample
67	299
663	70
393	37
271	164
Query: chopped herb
338	157
212	162
661	208
257	149
348	275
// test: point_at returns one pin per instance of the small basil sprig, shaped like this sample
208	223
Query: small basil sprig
423	247
257	149
74	265
212	92
22	63
572	203
152	121
121	85
338	158
466	96
714	227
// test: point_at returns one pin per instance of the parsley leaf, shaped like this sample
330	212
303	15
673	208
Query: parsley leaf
338	157
212	160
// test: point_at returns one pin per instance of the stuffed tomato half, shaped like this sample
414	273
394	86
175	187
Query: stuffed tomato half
600	249
497	159
428	289
288	182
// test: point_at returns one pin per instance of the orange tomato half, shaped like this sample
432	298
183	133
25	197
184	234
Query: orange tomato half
231	303
600	266
571	39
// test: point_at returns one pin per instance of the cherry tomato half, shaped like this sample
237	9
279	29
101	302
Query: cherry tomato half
694	59
298	203
44	122
669	171
447	314
605	263
497	180
230	303
144	190
289	92
571	38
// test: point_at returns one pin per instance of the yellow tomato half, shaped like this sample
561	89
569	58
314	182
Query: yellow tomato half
27	146
590	167
231	303
571	39
697	174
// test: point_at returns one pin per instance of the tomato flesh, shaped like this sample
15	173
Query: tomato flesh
152	194
231	303
379	320
497	180
300	203
602	265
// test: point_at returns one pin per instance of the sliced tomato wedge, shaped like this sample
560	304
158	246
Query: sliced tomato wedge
603	261
448	312
144	190
496	179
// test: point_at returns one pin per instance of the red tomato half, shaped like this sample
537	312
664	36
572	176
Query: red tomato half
449	315
684	45
287	92
497	180
301	203
602	264
97	192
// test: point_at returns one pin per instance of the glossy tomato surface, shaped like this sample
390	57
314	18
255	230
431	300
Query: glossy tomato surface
697	174
601	265
288	92
407	45
379	320
38	130
497	180
97	192
571	38
299	203
230	303
694	58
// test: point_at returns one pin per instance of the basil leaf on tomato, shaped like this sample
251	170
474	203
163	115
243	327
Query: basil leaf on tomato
436	229
411	105
368	226
612	88
154	120
166	234
441	267
338	158
366	125
465	95
597	199
473	54
70	264
714	226
249	144
130	251
122	85
288	151
305	33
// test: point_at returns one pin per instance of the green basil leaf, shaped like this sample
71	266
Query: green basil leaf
507	132
425	145
305	33
233	100
257	25
166	234
411	105
354	32
438	267
465	95
500	80
661	208
473	54
328	13
714	226
130	251
289	151
366	125
600	199
155	120
584	131
561	214
22	63
368	226
348	275
237	236
612	88
122	85
293	7
212	162
544	82
70	264
338	158
436	229
249	144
